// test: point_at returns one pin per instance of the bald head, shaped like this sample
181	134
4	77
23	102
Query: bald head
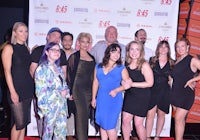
111	34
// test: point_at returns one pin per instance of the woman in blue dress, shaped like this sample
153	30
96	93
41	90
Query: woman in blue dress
107	91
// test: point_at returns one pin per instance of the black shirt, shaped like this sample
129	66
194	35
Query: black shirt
37	53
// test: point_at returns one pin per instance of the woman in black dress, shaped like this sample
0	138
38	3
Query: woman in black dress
183	78
80	71
161	65
136	100
16	62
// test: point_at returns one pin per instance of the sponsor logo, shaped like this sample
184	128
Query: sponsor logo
102	11
123	25
194	29
104	24
85	23
183	12
196	13
163	14
166	2
165	26
41	8
195	48
181	28
197	97
144	26
40	34
63	22
163	38
195	113
148	1
41	21
85	10
124	12
61	9
142	13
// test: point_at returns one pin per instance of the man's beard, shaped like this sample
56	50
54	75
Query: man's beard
143	41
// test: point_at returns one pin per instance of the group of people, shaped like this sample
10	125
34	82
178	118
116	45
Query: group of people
68	84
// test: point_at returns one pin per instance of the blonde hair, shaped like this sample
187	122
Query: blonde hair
80	36
15	27
187	42
141	59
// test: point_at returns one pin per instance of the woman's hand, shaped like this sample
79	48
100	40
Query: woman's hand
64	93
126	83
191	84
93	103
113	93
70	98
14	97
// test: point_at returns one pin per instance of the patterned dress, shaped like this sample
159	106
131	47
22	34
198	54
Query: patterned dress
51	105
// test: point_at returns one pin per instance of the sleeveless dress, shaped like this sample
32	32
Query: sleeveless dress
108	108
82	95
136	100
181	73
23	84
160	95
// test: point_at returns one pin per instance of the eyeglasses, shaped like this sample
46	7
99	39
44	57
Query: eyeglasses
55	50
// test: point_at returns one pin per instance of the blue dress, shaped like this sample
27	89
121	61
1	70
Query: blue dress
108	108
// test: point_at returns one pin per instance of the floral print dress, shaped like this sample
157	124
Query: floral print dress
52	106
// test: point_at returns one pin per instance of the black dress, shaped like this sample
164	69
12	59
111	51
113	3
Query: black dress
181	73
23	84
136	100
160	91
82	95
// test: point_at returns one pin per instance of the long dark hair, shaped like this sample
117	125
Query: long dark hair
157	54
111	48
43	58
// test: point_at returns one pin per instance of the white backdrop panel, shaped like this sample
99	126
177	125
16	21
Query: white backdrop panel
158	17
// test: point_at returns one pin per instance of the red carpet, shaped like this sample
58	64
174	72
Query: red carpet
35	138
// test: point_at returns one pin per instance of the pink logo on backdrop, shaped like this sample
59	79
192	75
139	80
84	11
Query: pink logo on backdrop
163	38
142	13
166	2
61	9
144	25
104	24
102	10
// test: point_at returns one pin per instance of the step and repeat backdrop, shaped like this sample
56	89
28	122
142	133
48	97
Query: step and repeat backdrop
158	17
